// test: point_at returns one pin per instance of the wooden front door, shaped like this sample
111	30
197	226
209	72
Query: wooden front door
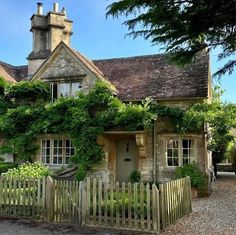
126	159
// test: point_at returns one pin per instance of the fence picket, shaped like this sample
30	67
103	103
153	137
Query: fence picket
123	203
94	200
135	205
99	201
129	205
117	204
105	202
148	207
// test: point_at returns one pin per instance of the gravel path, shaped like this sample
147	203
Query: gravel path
214	215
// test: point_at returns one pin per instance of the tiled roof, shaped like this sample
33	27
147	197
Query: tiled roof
139	77
153	76
13	73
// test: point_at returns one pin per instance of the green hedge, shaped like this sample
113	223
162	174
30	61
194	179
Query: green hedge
4	167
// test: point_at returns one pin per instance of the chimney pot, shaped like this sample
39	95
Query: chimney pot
40	8
63	11
56	7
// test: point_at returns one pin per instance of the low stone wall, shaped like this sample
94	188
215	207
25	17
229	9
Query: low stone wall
225	167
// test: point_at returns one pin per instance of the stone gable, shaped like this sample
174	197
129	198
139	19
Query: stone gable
63	65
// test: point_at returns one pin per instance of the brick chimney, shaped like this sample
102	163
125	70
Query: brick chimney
48	31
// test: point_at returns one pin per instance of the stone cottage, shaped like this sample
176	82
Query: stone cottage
155	152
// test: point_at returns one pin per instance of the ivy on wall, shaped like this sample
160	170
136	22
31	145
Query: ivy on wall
26	113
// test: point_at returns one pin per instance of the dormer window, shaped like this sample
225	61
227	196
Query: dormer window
65	89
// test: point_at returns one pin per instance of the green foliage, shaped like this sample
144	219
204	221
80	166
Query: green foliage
4	167
135	176
2	86
86	116
185	27
81	173
28	170
198	179
29	91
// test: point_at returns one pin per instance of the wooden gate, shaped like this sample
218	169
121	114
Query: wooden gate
66	201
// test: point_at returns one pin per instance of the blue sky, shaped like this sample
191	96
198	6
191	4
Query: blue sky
94	35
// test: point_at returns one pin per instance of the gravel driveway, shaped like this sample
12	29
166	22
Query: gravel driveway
213	215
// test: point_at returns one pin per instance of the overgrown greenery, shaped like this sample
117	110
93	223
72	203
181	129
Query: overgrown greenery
86	116
28	170
197	177
184	27
135	177
5	166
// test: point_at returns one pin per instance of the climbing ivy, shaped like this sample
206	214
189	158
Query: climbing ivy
86	116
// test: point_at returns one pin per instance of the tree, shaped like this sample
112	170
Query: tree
185	27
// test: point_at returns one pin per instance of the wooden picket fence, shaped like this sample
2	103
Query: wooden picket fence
22	197
128	206
175	200
139	207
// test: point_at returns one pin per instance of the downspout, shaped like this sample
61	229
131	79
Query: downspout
154	152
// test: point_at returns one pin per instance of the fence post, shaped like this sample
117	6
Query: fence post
190	193
82	203
50	198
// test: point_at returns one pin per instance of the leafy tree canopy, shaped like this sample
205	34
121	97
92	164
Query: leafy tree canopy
185	27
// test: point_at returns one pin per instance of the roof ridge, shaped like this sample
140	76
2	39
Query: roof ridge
132	57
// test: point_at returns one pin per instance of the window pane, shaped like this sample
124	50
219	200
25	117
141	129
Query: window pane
70	151
75	87
176	162
186	151
63	89
172	152
57	151
45	151
175	153
54	91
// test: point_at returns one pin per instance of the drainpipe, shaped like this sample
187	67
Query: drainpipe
154	152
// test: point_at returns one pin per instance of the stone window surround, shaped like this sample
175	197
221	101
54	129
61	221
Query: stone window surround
53	137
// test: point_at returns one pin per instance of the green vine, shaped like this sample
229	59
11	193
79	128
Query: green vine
26	113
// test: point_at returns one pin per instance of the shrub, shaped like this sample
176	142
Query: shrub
135	177
81	173
198	178
29	170
4	167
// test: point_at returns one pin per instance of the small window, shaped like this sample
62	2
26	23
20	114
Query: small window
65	89
57	151
179	151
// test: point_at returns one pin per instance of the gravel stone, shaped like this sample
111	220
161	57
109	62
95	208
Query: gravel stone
211	215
